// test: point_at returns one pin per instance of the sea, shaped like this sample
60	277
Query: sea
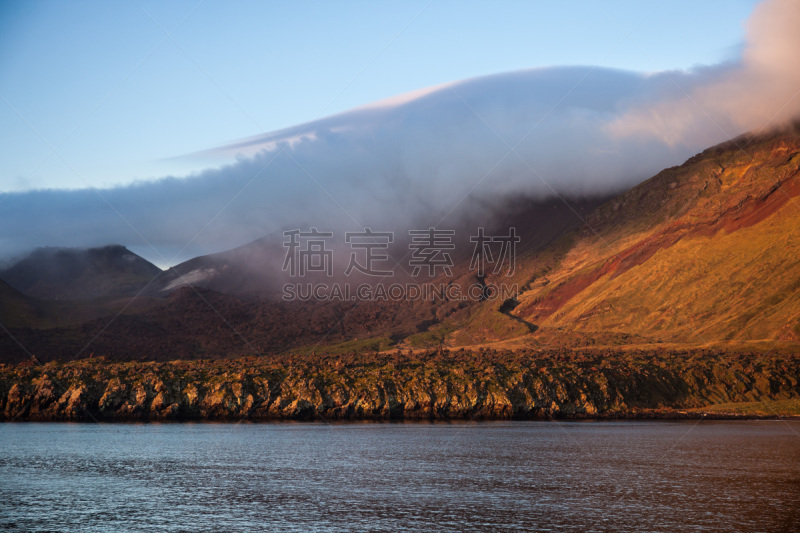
461	476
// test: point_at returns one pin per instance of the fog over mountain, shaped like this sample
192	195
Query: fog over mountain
411	160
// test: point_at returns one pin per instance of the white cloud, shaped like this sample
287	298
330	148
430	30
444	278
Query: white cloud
761	90
410	160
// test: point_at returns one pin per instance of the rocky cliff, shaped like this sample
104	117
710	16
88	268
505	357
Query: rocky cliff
445	385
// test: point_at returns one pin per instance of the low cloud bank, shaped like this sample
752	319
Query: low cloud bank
444	152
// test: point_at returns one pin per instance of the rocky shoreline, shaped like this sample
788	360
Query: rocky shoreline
458	385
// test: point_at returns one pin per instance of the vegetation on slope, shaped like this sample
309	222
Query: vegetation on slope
702	252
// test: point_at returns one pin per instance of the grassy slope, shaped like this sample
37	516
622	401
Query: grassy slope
764	408
742	285
703	252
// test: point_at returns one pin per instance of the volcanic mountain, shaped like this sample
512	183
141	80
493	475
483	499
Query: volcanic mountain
16	309
255	269
80	274
705	252
702	253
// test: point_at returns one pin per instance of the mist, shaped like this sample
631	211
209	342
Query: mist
759	92
435	156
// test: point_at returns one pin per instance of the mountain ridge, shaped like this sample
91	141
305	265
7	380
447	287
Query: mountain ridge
703	252
743	203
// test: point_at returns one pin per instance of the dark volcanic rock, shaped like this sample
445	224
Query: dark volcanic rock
448	385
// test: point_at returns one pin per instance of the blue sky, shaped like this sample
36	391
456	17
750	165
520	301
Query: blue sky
120	100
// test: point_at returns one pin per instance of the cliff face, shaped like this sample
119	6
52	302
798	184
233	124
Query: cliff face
455	385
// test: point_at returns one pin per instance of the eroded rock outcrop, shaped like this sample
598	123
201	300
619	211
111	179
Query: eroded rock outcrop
448	385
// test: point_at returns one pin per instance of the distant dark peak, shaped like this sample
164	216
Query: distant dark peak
79	273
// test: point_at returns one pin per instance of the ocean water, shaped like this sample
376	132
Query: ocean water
492	476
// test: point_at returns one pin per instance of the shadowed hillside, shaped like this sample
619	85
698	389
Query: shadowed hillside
75	274
16	309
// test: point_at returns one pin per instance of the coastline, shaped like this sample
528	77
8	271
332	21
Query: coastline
442	385
635	416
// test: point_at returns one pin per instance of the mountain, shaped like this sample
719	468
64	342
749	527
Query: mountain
708	251
80	274
16	309
219	306
705	253
255	268
243	270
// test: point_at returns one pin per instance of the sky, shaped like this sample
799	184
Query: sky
181	129
125	89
